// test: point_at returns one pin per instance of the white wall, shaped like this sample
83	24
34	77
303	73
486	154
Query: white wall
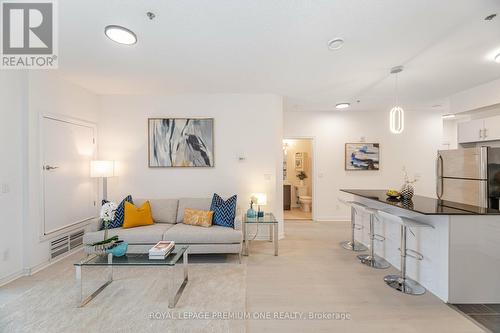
244	125
415	148
478	97
13	115
48	94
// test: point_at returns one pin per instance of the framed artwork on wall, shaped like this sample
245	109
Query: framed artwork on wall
362	156
180	142
299	161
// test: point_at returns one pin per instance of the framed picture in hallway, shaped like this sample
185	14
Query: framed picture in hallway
181	142
362	156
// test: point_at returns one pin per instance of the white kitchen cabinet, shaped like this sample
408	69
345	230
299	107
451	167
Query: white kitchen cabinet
471	131
478	130
491	129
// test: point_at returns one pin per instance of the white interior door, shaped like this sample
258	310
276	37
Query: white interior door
69	192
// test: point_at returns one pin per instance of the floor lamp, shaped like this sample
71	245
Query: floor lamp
104	170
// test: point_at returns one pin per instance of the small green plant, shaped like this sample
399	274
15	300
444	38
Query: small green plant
301	175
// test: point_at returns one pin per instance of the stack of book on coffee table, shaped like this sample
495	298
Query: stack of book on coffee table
161	250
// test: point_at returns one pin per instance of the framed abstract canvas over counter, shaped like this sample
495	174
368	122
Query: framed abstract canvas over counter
181	142
362	156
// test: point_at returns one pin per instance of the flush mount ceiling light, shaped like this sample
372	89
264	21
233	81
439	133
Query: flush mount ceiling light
397	114
497	58
120	34
341	106
335	44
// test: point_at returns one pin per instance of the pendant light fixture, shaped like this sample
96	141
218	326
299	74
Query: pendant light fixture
397	114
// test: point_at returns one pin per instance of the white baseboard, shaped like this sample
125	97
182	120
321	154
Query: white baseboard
27	271
37	268
333	219
11	277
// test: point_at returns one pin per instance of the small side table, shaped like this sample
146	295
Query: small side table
268	220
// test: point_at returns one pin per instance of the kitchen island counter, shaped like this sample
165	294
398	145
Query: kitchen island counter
424	205
461	252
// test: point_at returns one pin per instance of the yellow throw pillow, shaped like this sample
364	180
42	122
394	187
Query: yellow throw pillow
137	217
200	218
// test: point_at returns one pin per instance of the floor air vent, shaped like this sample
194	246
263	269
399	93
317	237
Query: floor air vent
65	243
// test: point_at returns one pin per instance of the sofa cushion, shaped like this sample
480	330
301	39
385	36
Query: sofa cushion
164	210
137	216
201	218
150	234
189	234
193	203
224	210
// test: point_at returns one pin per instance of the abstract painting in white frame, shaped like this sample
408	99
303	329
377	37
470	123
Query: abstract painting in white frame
181	142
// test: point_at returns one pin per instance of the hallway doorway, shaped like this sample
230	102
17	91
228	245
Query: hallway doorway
298	179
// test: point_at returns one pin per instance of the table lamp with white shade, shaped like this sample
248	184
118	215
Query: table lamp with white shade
260	199
104	170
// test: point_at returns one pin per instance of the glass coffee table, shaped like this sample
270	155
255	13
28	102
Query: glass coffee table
269	220
136	260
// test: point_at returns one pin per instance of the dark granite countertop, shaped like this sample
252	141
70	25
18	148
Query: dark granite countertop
424	205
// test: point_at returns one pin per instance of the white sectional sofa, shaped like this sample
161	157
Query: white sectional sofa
168	215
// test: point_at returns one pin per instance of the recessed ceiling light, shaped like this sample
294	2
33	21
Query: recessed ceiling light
335	44
120	34
448	116
497	58
342	105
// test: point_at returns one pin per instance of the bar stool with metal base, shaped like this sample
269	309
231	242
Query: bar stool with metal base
401	282
372	259
352	245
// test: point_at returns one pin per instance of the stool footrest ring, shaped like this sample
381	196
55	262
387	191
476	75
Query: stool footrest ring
414	254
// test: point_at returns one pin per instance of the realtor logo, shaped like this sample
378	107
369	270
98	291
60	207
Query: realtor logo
28	34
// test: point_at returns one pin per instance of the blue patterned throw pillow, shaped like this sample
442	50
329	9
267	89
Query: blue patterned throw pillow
119	213
224	210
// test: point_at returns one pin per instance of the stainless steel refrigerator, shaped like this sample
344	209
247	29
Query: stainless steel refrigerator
469	176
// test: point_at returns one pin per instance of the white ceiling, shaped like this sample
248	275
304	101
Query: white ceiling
279	46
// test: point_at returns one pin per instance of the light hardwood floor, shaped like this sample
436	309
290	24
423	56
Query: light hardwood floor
297	214
313	273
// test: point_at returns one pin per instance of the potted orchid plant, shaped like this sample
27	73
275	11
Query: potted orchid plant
107	215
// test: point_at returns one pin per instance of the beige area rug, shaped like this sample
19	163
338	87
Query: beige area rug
48	301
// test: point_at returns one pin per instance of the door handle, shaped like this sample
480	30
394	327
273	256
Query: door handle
439	176
480	133
485	133
49	167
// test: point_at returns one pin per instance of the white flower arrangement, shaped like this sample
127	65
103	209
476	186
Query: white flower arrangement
108	213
